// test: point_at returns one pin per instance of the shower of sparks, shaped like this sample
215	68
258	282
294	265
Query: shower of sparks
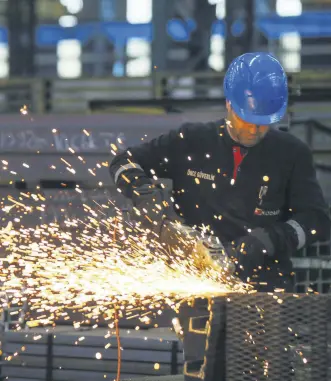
99	266
95	265
104	267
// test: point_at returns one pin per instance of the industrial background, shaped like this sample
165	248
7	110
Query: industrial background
85	73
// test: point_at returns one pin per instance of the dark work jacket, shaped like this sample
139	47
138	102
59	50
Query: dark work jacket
215	183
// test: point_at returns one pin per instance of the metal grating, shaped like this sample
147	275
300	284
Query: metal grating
258	337
312	267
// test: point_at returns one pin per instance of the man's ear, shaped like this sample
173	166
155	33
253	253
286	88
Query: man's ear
228	105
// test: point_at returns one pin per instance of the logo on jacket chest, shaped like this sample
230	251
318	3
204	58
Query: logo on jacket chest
200	175
262	212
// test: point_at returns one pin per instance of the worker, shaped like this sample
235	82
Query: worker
254	185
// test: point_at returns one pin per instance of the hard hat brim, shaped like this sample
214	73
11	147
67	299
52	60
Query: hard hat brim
259	119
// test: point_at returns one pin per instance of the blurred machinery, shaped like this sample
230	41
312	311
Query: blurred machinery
122	38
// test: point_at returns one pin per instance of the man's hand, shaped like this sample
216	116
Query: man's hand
152	208
250	251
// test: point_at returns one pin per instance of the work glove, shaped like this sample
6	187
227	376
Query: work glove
152	207
251	251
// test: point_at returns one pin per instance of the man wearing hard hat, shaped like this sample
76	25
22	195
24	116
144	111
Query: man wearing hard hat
253	185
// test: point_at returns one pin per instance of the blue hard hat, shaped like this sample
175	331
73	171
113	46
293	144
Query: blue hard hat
256	86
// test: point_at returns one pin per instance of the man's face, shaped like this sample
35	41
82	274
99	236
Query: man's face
242	132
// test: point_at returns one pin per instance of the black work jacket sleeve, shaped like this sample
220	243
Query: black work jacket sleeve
149	161
310	213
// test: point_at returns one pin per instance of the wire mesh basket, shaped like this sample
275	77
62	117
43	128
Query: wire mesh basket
258	337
